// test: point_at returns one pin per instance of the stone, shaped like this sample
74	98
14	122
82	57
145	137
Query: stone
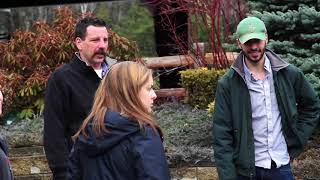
207	173
27	165
184	173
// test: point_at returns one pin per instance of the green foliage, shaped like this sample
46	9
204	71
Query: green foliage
281	5
136	25
288	47
293	30
315	81
103	13
32	55
121	48
316	48
231	47
201	85
26	113
291	24
202	33
210	108
309	65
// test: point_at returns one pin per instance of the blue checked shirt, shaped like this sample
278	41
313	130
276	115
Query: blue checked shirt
269	141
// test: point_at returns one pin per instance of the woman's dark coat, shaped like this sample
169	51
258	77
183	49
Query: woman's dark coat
126	152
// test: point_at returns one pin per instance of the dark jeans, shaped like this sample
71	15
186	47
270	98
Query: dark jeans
281	173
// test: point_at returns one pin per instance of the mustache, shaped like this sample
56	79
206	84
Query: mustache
100	52
255	50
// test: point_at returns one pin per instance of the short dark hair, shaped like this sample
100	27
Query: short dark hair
81	26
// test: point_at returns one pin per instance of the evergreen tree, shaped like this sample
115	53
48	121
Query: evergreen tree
137	26
294	32
132	20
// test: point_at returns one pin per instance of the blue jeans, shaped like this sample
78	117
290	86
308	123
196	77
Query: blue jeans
281	173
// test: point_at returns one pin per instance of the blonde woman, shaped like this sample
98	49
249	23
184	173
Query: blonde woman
120	139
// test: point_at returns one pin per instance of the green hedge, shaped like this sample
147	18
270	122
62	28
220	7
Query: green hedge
201	85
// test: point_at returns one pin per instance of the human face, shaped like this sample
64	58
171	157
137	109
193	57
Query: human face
94	46
147	94
253	50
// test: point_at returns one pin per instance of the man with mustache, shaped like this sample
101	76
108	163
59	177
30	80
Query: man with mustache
70	91
265	111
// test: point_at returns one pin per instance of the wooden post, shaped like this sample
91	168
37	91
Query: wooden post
168	61
177	92
231	56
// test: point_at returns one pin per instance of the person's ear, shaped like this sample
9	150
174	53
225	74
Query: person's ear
239	44
267	39
78	42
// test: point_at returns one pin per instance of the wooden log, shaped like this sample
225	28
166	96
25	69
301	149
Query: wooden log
177	92
231	56
168	61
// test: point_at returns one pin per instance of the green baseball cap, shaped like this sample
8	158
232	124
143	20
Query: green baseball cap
251	28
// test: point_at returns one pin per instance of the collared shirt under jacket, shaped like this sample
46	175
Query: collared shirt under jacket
232	121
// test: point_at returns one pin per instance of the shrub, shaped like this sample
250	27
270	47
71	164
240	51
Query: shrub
201	85
187	134
32	56
210	108
28	59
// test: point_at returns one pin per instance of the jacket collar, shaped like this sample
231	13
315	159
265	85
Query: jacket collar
276	62
81	65
107	62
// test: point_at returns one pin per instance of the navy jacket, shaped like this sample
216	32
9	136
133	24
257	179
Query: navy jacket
126	152
5	167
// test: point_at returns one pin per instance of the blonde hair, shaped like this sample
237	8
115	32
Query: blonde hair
119	91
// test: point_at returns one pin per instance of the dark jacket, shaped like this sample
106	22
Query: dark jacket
232	123
68	99
125	152
5	167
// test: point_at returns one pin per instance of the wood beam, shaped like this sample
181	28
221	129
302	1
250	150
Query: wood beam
231	56
168	61
176	92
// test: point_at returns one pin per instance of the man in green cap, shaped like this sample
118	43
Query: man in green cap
265	111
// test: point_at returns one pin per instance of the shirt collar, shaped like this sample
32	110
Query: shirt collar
248	73
79	57
267	64
104	65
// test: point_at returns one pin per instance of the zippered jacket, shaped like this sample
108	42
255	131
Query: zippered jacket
233	139
5	166
68	100
125	152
